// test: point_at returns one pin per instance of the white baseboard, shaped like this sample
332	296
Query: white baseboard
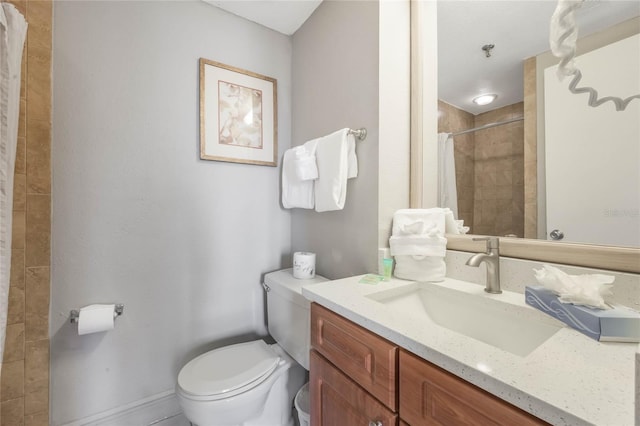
145	412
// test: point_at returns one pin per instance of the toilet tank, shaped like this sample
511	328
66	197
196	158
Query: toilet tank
288	313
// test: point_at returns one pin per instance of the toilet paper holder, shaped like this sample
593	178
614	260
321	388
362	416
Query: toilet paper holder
75	313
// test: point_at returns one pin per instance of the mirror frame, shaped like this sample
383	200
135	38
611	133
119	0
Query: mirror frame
424	130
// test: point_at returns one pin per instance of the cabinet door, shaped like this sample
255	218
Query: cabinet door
364	356
338	401
432	396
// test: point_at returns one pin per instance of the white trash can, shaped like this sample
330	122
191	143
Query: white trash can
301	403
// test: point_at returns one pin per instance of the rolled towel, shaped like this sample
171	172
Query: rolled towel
419	245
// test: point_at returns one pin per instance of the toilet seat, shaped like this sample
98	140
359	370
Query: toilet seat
227	371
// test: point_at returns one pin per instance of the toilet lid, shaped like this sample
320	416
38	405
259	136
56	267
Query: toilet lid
228	368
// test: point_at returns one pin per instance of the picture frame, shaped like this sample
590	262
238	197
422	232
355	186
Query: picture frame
238	115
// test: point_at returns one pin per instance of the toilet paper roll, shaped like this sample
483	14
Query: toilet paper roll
96	318
304	265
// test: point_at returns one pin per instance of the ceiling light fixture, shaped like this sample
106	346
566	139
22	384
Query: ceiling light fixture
484	99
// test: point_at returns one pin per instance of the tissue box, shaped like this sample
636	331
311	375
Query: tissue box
619	324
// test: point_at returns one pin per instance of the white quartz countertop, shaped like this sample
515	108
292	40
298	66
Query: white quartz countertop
570	379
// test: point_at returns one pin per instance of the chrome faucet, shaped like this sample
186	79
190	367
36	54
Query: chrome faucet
492	260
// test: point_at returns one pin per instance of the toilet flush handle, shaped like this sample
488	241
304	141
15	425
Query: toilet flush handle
266	287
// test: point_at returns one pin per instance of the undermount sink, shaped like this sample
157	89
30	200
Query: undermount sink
503	321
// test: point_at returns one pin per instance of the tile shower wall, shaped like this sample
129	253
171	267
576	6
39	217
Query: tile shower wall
499	173
489	168
24	390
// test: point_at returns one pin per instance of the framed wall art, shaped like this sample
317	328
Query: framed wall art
238	115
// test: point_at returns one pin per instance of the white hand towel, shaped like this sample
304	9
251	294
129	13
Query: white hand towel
352	159
419	245
418	221
332	160
296	193
305	160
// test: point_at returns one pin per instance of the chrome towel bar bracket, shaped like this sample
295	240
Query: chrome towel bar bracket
360	134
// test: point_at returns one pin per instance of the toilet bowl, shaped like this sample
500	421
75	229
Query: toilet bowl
253	383
244	384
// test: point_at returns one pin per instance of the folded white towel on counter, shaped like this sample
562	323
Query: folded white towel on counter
418	221
296	193
420	268
333	170
305	160
418	244
421	245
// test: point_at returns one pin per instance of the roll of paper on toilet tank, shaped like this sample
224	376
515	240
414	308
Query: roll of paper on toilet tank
304	265
96	318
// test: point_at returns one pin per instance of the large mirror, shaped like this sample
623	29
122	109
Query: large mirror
543	164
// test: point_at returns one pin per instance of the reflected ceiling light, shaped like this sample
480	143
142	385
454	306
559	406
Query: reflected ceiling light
484	99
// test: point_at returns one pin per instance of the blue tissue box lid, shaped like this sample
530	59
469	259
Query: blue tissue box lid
620	324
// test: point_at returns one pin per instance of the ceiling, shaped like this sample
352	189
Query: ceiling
519	29
284	16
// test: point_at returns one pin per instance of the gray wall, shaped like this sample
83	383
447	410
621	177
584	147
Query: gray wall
137	217
335	85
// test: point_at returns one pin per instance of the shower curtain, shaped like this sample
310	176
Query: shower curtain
447	193
13	30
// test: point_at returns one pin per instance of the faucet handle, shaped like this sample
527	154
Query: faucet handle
493	243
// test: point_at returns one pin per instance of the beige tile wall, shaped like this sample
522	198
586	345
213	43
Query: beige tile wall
24	385
499	173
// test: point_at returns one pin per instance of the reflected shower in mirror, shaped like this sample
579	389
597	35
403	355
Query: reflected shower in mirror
502	147
489	167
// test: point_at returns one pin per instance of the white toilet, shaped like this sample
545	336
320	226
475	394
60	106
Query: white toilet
253	383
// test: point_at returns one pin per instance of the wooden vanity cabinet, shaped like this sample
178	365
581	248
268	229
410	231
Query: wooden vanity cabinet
359	378
432	396
338	401
353	373
365	357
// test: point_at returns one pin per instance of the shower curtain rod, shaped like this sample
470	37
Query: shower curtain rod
488	126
